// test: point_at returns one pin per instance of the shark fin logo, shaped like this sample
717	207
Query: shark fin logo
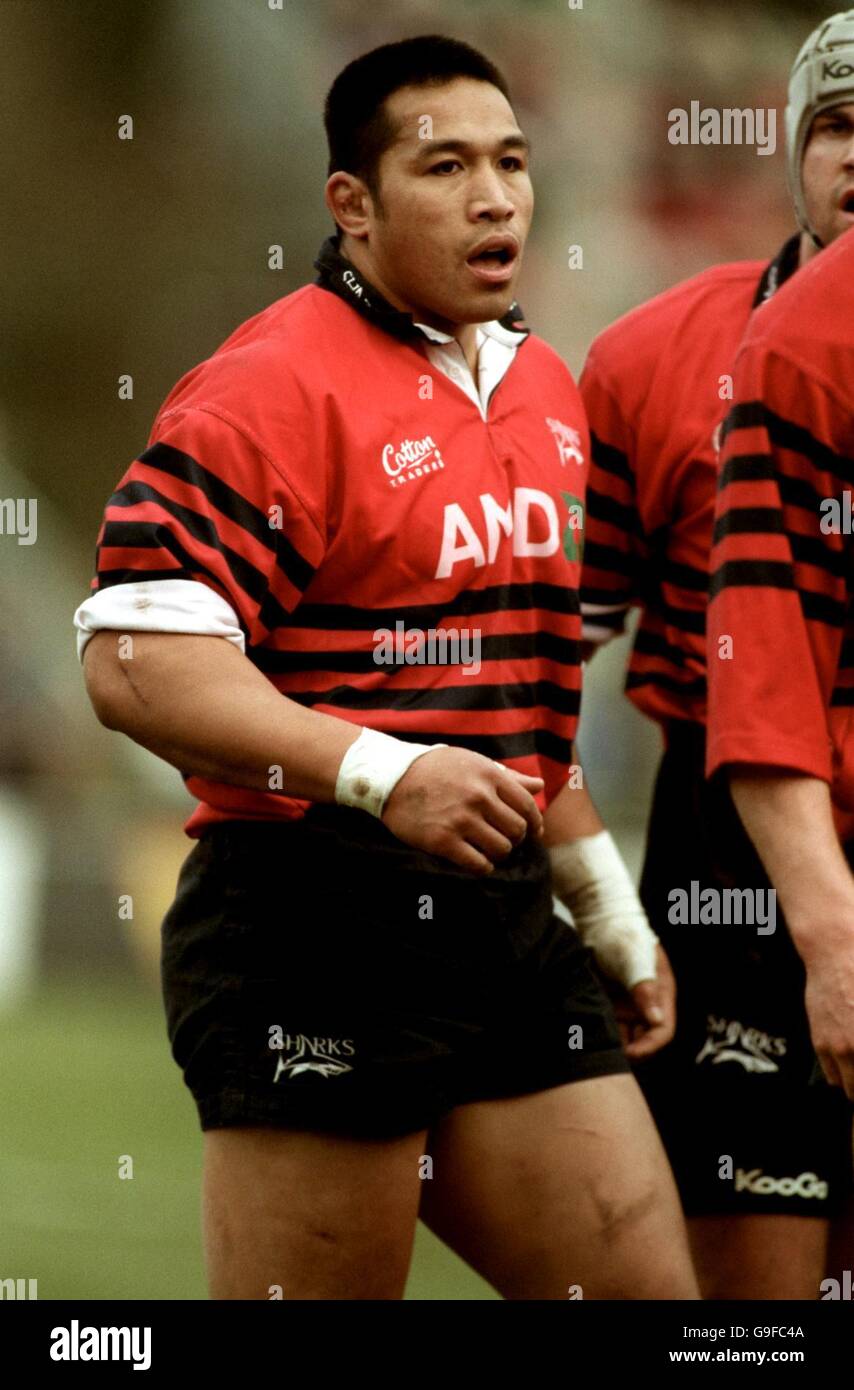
314	1054
728	1040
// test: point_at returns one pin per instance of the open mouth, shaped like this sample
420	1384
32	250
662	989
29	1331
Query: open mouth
494	261
847	202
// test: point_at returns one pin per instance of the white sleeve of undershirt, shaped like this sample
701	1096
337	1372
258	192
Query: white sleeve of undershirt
158	605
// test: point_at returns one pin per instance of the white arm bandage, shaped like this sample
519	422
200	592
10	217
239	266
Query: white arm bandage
372	767
589	876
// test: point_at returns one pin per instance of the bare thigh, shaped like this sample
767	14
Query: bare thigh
564	1190
312	1215
757	1256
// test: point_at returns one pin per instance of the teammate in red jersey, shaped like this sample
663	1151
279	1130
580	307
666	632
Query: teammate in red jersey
735	1082
781	654
781	625
361	967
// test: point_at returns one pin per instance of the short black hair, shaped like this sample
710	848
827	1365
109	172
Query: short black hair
357	127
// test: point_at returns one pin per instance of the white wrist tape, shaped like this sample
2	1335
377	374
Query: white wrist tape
372	767
589	876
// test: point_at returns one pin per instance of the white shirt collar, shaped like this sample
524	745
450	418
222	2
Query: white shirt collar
508	337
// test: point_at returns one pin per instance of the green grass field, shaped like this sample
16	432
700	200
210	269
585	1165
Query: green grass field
85	1077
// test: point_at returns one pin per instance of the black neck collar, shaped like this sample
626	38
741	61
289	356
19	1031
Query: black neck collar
340	276
778	271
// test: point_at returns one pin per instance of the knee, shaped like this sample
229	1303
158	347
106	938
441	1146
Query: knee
618	1215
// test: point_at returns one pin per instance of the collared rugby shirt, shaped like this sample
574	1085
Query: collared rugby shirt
315	492
781	638
656	387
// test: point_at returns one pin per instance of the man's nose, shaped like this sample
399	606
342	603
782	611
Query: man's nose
489	198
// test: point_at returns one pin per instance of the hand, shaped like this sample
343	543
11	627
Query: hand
830	1010
463	807
646	1014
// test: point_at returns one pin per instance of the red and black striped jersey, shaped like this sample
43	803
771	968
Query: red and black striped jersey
344	506
781	638
657	386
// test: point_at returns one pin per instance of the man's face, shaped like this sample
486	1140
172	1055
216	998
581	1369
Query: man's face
828	172
446	241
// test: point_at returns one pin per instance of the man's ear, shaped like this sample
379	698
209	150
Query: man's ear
350	203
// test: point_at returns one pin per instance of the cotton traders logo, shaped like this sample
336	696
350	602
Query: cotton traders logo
730	1041
412	459
568	441
321	1055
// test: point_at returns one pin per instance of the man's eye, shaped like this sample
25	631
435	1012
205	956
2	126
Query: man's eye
511	161
445	167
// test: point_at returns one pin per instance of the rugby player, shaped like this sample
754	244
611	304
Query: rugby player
370	998
656	387
781	631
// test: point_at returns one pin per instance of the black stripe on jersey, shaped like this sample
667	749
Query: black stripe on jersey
775	574
518	646
695	687
684	576
603	508
768	521
610	459
787	435
495	598
608	558
149	535
606	598
761	574
745	415
616	619
746	468
739	521
233	505
810	550
682	619
502	747
843	696
519	695
759	468
653	644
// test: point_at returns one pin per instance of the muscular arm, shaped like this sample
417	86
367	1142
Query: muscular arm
789	820
200	704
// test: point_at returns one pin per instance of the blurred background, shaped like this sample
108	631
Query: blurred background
136	258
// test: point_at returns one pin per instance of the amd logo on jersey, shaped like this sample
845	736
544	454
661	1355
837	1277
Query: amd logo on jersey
530	521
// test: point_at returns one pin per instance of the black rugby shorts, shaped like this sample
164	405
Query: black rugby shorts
739	1080
322	975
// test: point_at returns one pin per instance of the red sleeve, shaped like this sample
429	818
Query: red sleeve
205	503
779	589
